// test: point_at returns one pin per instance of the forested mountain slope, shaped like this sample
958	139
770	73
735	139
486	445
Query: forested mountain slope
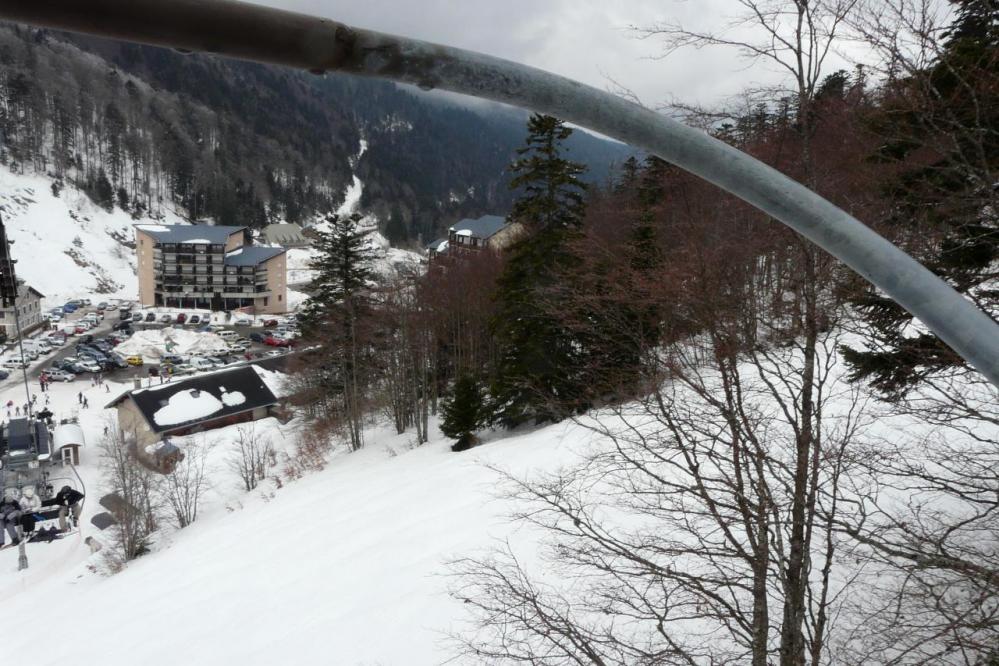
148	129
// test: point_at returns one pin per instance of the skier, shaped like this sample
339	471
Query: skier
68	500
10	515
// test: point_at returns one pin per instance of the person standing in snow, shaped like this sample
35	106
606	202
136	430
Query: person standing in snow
107	388
68	500
79	397
10	516
34	398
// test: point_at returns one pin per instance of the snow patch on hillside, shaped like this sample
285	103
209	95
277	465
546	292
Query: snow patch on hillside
67	247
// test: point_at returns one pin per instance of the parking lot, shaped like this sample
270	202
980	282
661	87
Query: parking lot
256	352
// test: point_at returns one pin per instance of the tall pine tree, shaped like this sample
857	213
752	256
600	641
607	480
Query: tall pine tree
336	316
538	370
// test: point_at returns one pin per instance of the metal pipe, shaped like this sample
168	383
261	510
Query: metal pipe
267	35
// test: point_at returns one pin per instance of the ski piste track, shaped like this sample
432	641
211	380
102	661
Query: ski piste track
70	554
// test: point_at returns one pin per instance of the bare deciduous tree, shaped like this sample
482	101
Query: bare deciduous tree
136	490
183	489
250	454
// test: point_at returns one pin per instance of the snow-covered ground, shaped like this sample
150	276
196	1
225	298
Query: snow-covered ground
66	246
340	567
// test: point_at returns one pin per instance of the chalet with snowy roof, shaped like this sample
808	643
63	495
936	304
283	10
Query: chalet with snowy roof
200	403
488	231
209	267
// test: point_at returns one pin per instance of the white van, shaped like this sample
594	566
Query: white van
37	346
228	334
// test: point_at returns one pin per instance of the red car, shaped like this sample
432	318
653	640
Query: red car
276	342
270	322
181	318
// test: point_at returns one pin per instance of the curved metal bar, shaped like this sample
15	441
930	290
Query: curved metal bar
269	35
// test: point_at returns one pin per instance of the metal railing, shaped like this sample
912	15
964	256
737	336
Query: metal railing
319	45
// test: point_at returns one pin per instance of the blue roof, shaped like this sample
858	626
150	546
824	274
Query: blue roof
484	227
189	233
251	255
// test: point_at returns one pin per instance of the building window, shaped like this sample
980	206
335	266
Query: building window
265	301
279	298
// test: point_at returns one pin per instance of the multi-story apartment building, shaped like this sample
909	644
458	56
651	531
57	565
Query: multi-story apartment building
209	267
29	311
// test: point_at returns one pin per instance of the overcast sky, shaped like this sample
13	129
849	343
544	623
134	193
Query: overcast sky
587	40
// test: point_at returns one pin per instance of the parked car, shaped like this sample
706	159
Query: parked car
150	317
201	363
270	322
256	337
118	362
133	360
66	363
124	314
88	365
276	352
276	342
58	376
242	321
112	306
172	359
52	316
85	301
121	326
166	318
4	375
103	305
14	364
195	319
138	316
69	308
181	318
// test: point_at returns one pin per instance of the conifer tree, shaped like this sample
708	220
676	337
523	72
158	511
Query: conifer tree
342	269
336	316
946	111
461	413
537	372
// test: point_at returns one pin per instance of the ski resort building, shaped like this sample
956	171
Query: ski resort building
487	232
29	310
286	235
204	402
209	267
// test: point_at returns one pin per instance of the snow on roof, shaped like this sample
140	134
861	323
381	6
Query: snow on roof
189	233
252	255
232	398
189	405
484	227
